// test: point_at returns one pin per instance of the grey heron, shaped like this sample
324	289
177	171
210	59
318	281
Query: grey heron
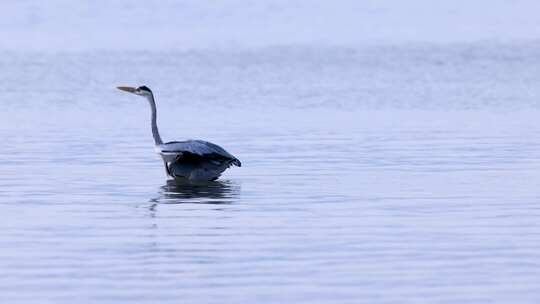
190	160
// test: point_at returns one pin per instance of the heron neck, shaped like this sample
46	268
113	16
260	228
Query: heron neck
155	131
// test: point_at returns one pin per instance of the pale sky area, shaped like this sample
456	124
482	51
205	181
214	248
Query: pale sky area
166	25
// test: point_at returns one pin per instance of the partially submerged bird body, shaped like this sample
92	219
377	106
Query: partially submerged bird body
190	160
195	160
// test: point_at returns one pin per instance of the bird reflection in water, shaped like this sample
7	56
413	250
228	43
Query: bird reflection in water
214	192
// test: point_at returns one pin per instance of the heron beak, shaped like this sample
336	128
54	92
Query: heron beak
127	89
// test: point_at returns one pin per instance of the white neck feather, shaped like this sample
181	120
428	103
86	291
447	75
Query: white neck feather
155	131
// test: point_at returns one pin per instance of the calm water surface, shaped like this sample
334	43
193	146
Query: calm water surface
393	175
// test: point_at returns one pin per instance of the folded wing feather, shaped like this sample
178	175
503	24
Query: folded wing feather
172	150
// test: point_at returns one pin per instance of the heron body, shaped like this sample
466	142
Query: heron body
190	160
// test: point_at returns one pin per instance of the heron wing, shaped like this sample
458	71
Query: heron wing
189	148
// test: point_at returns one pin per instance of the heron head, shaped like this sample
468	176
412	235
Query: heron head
141	91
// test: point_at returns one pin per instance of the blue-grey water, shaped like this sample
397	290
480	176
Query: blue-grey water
390	150
380	174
